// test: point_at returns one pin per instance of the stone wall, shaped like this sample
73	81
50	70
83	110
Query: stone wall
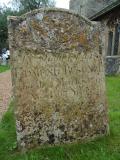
58	78
88	7
79	6
108	23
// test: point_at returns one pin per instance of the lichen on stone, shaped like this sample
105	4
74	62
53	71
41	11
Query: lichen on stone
58	78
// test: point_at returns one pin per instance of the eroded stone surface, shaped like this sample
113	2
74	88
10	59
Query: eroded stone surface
58	78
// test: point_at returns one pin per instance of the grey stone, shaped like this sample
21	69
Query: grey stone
112	65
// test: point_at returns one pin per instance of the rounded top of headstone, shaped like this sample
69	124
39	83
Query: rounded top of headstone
54	30
43	11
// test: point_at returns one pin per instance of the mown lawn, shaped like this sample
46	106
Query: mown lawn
106	148
4	68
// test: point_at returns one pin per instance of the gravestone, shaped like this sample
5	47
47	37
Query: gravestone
112	65
58	78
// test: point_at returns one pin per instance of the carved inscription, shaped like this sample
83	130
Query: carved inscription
58	78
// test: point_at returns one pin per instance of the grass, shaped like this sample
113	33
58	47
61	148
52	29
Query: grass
4	68
106	148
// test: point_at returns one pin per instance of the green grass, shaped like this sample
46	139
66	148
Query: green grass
4	68
106	148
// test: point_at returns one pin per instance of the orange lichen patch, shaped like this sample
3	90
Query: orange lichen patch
83	39
79	38
23	30
36	26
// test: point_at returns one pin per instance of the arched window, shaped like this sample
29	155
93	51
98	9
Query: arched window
116	40
110	43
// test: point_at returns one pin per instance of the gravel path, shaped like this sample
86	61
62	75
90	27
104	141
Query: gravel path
5	91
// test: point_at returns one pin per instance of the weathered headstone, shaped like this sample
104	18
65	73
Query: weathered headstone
112	65
58	78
